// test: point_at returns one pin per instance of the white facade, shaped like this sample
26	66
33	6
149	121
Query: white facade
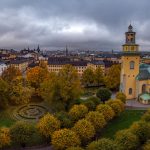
3	66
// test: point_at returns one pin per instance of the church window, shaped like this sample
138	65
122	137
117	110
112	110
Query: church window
143	88
132	64
130	91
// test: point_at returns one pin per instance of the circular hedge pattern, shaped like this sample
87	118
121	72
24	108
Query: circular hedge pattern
29	112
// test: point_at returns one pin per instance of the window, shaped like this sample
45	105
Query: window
143	88
130	91
132	64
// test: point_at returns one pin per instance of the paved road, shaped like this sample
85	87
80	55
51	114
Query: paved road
134	104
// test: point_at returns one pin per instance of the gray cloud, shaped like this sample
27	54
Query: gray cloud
81	24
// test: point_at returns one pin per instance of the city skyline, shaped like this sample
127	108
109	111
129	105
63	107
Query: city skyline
97	25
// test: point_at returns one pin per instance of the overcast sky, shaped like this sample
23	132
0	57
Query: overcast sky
80	24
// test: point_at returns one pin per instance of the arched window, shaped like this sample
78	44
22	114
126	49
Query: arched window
130	91
132	64
143	88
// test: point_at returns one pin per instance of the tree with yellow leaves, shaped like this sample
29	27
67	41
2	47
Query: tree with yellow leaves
10	74
47	125
65	138
88	77
36	76
112	79
98	76
84	129
4	137
70	86
97	119
106	110
78	112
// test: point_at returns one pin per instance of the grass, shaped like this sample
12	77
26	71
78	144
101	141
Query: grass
122	122
6	119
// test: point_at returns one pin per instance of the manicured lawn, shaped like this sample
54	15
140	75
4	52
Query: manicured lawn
122	122
6	118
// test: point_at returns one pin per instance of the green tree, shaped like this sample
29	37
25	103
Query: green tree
88	77
146	116
22	133
99	76
121	96
127	140
70	85
47	125
84	129
50	89
64	138
97	119
65	119
112	79
103	144
104	94
10	74
142	130
4	92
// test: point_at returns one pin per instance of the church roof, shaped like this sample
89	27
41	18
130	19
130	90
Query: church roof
144	72
145	96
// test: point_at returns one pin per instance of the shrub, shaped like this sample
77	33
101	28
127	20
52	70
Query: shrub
115	106
142	130
104	94
146	116
64	138
121	96
4	137
78	112
94	99
146	146
22	133
122	105
74	148
84	129
103	144
106	110
97	119
89	104
65	120
47	125
127	140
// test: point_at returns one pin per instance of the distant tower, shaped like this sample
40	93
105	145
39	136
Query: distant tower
67	51
129	64
38	49
28	48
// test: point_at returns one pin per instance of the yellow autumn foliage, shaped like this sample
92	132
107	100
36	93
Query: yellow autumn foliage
84	129
146	146
48	124
127	140
97	119
4	137
78	112
64	138
115	106
106	110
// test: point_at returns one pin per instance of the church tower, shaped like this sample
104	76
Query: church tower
129	64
